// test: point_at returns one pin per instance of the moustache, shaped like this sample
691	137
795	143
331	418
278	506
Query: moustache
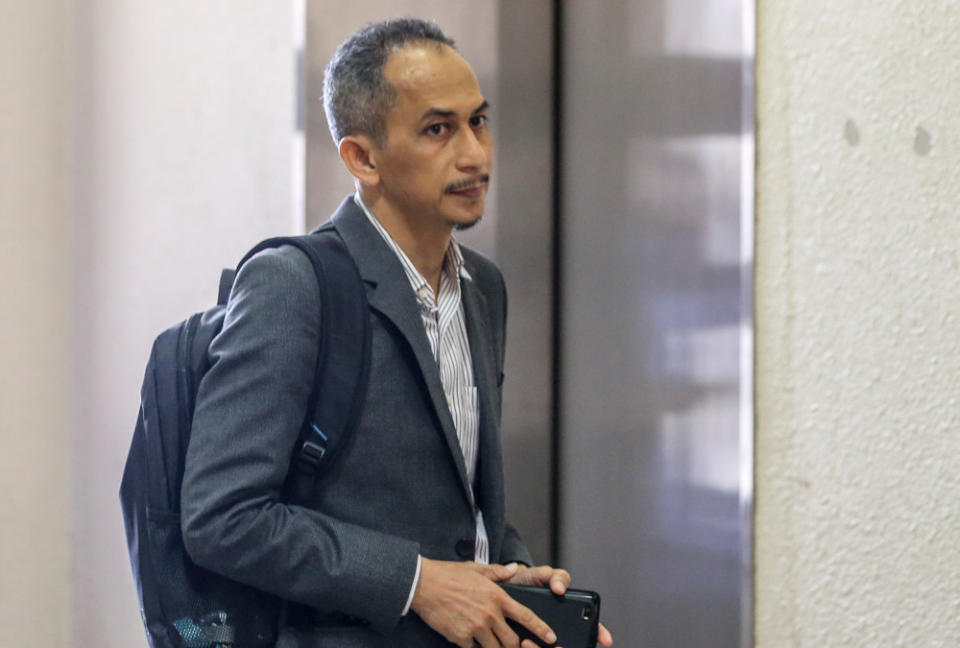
469	183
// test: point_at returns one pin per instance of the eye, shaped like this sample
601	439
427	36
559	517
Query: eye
436	129
479	121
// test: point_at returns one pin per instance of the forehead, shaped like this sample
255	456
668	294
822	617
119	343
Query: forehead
426	75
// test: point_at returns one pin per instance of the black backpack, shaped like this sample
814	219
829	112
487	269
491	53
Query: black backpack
183	605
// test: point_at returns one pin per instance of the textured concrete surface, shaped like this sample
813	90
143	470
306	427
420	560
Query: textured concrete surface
858	323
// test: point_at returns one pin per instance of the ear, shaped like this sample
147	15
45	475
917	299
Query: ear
356	153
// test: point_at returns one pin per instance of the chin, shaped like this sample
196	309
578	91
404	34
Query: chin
461	227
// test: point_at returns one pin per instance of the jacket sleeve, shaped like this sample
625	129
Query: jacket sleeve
513	549
250	408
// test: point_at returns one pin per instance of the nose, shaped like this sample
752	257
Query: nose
473	153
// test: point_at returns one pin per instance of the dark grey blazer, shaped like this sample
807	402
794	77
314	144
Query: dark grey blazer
397	489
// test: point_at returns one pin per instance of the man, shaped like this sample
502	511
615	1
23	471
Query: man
405	538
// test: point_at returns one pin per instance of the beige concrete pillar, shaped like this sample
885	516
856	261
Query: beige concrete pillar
36	40
858	324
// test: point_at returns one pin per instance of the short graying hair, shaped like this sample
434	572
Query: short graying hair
356	95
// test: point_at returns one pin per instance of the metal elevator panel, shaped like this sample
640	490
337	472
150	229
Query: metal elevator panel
652	326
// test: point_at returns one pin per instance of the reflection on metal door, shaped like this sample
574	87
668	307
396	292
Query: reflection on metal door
652	308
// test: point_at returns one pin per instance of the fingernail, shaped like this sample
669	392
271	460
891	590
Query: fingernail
551	637
512	567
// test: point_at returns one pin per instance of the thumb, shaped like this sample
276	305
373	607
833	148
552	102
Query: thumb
500	572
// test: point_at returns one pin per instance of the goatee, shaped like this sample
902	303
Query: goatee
463	227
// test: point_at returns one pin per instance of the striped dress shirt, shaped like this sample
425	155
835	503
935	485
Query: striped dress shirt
445	325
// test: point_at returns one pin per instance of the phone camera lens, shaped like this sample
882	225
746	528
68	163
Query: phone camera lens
587	612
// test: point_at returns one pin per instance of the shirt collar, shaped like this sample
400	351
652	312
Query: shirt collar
452	260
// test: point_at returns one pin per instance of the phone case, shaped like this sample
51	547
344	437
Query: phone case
575	616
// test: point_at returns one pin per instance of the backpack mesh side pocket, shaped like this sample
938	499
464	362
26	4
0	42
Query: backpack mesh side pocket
202	609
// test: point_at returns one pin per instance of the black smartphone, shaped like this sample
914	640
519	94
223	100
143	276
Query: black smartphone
574	616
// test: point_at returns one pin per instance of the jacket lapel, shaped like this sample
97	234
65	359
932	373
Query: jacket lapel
489	472
389	293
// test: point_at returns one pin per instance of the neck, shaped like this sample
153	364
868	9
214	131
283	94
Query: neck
425	244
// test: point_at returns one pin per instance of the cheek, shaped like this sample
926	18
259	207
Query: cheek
426	182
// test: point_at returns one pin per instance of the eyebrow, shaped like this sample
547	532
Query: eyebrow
437	112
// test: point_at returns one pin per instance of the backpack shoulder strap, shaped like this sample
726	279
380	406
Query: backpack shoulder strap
226	284
343	357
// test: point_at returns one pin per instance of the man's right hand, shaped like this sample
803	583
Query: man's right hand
462	601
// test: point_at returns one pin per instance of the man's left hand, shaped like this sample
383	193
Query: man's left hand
558	580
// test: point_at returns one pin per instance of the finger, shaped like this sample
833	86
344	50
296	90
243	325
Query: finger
529	620
604	637
505	634
486	639
533	575
498	572
544	575
559	581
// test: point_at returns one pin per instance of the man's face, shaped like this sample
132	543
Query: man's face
434	168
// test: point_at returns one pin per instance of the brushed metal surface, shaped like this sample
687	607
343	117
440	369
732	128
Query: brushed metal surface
523	124
653	398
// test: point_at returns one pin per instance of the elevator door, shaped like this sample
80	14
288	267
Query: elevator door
652	327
